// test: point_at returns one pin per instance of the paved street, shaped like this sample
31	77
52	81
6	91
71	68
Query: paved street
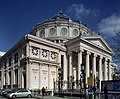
46	97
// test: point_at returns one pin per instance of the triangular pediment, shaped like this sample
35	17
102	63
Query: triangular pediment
98	41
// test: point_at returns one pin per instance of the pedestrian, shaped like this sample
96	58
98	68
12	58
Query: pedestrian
43	92
106	91
46	90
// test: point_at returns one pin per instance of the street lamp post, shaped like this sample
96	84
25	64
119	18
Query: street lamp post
84	78
94	88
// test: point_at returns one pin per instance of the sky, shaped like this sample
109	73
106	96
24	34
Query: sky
18	17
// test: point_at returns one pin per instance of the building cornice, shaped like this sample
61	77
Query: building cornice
28	38
81	39
45	42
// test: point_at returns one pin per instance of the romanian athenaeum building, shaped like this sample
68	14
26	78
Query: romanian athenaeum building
59	43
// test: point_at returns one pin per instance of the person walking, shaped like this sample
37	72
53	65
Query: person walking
43	92
46	91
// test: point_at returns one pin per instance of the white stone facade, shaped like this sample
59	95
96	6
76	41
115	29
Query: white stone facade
60	42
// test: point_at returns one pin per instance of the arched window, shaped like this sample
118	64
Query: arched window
52	31
42	33
64	31
75	32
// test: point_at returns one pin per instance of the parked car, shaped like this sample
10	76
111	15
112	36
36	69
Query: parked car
20	93
9	91
3	91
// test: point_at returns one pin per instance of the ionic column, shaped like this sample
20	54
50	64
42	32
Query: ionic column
22	80
87	65
7	78
70	64
20	77
79	63
100	69
13	76
94	65
105	69
109	69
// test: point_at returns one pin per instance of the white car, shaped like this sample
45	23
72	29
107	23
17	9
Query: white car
20	93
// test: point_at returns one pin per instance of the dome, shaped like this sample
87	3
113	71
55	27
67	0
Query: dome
60	28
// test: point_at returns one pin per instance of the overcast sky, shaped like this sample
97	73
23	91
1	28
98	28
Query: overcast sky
18	17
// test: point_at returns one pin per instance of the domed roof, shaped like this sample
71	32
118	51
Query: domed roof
60	28
60	16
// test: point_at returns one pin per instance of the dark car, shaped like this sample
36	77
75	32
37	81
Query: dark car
3	91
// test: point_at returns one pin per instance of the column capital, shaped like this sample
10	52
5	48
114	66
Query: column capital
94	55
106	59
100	57
69	53
88	52
80	50
109	59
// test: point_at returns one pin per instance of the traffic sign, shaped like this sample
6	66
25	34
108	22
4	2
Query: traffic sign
90	80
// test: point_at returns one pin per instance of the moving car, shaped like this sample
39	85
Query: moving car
20	93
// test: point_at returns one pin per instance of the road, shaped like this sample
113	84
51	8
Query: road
1	97
46	97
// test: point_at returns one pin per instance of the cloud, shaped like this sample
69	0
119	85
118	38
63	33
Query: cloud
110	25
80	12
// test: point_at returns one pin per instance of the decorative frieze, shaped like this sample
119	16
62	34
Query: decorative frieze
34	51
53	55
44	53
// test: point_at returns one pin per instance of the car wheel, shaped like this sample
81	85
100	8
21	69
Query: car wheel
13	96
29	96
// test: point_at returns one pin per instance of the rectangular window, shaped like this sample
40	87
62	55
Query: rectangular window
0	75
24	51
62	64
57	41
5	64
10	61
61	41
16	58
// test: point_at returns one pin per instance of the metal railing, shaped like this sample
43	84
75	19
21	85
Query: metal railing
111	95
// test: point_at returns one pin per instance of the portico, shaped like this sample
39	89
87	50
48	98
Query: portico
97	62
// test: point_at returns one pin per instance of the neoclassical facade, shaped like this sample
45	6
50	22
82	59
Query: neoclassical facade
33	62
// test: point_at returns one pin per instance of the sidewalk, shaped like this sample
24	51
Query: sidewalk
54	97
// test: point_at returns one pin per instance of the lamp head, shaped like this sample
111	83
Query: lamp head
59	70
82	67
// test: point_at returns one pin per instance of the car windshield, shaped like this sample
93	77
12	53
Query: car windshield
6	90
12	91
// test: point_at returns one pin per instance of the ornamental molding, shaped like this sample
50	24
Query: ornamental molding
45	53
44	71
53	55
34	51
